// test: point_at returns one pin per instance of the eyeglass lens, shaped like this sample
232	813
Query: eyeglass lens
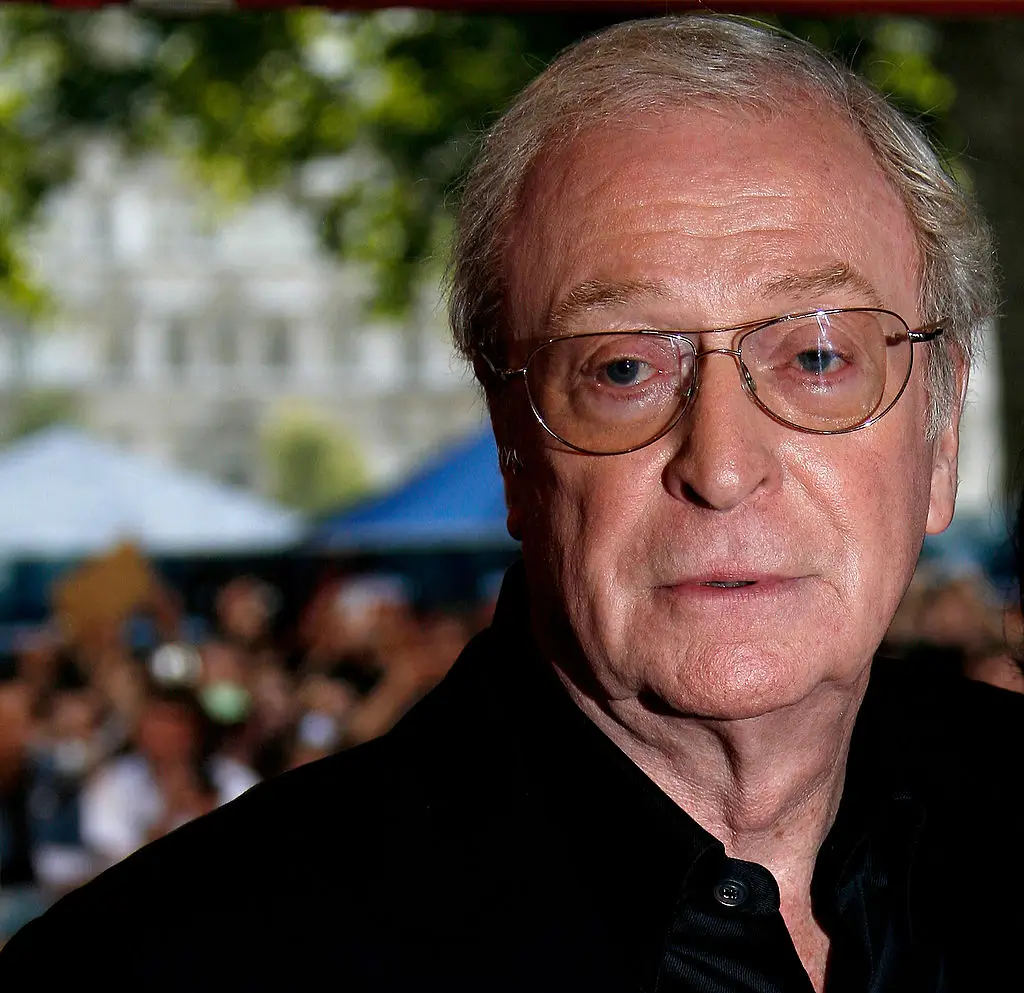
610	392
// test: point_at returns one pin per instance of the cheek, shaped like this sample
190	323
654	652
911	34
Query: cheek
586	539
585	509
583	528
875	497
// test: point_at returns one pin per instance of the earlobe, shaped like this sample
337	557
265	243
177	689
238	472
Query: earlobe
512	523
510	466
945	454
513	519
942	499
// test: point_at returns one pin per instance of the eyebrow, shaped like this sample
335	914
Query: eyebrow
823	279
596	294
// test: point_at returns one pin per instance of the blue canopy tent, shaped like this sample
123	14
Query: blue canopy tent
455	501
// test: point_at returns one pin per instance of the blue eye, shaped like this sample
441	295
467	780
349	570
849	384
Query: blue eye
624	372
818	361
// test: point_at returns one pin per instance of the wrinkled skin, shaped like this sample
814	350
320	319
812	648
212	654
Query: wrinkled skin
708	207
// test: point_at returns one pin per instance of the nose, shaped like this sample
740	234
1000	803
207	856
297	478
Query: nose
725	454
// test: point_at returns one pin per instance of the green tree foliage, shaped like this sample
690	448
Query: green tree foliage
313	463
243	98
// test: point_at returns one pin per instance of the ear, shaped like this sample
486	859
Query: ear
511	470
511	473
945	452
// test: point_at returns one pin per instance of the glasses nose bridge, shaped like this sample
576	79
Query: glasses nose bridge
746	380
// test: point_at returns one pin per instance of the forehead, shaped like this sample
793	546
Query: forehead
717	216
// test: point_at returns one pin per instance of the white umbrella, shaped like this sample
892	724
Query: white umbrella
64	494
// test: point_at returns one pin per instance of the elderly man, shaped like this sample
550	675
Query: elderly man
720	296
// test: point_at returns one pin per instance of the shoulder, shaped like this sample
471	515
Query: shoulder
954	739
954	743
945	721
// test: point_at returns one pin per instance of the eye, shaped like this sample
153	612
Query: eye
819	361
627	372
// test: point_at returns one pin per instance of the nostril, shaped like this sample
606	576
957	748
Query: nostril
691	494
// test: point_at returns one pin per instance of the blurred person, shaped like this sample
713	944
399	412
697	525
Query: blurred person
21	897
412	663
166	780
444	636
223	682
272	720
903	629
123	687
39	656
720	296
250	734
242	641
951	625
351	623
66	748
1006	669
957	613
273	698
997	667
959	616
326	704
244	610
16	866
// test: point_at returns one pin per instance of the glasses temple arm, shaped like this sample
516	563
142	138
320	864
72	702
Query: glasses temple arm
928	333
503	374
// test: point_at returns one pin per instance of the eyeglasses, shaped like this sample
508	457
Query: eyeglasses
823	372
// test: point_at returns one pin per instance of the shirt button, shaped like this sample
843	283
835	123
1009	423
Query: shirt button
731	892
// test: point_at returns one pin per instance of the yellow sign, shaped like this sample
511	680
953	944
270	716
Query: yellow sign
100	594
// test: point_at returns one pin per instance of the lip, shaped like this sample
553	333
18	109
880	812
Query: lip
757	586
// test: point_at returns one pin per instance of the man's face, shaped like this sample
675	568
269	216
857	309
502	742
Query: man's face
723	219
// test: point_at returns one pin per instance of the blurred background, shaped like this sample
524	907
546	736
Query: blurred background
249	505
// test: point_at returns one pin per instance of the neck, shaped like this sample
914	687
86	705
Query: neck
767	787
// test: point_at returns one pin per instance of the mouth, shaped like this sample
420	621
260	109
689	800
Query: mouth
734	587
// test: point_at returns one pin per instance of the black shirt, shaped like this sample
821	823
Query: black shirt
496	841
704	921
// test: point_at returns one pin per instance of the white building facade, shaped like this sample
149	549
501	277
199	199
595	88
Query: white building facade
183	337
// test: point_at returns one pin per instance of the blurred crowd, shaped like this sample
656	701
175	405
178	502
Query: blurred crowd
105	746
961	622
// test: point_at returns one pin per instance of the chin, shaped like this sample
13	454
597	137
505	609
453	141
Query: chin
732	683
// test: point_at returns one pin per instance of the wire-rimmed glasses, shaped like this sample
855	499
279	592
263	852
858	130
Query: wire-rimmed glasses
822	372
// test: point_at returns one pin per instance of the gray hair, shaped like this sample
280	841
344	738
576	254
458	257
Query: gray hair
657	65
